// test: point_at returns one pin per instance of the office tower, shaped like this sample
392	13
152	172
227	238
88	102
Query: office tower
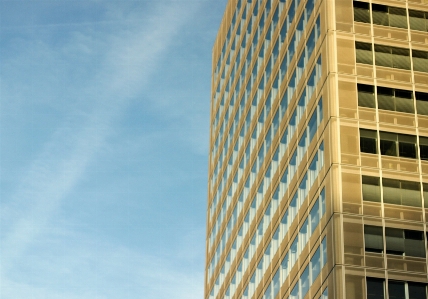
318	168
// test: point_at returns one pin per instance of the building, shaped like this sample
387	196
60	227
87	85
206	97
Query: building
318	168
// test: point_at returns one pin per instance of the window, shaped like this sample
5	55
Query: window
401	145
422	102
361	12
396	289
425	192
389	16
418	20
417	290
364	53
391	99
366	96
420	61
392	57
373	238
368	141
423	148
399	192
404	242
407	146
371	188
395	99
375	288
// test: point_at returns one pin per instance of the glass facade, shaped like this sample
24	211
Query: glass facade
318	167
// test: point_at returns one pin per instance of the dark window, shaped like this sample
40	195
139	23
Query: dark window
366	96
404	242
417	290
397	17
364	53
373	238
368	142
396	289
417	20
394	241
371	188
404	100
389	16
425	192
392	57
388	98
383	55
414	243
423	148
380	14
422	102
400	192
400	145
361	12
388	143
375	288
420	61
385	98
407	146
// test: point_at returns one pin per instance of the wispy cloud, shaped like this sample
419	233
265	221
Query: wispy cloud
93	269
126	60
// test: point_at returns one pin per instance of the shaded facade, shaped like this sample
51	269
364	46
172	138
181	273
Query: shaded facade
318	168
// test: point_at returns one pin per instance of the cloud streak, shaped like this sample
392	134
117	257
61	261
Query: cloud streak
131	57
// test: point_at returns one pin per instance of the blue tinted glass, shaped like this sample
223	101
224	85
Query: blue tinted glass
295	292
310	44
312	125
314	216
316	264
304	282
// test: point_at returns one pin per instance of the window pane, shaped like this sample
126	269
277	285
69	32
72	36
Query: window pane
366	96
368	145
373	238
417	20
375	288
417	290
391	191
422	102
361	12
397	17
314	215
383	56
414	244
407	150
401	58
364	53
394	241
385	98
312	125
315	265
411	193
424	152
304	282
396	289
371	188
404	101
368	141
425	192
380	14
388	143
423	147
420	61
388	148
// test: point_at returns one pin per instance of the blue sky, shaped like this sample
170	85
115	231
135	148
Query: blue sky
104	122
